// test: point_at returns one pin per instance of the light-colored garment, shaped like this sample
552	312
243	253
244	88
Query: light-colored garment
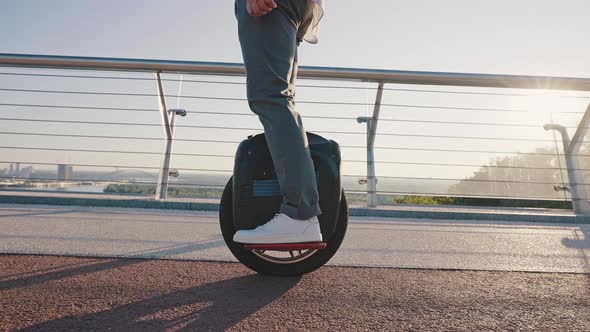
312	34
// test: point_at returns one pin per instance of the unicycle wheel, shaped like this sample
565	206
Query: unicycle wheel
280	259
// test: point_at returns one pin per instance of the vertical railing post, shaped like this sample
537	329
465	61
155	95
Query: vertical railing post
371	122
571	149
162	187
579	195
168	126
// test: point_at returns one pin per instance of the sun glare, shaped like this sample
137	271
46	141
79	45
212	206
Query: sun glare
544	103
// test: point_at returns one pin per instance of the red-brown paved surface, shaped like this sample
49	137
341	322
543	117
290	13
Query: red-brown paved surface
63	293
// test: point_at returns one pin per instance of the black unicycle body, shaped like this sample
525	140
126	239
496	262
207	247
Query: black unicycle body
252	197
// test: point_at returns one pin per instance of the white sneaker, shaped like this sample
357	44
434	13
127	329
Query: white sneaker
282	229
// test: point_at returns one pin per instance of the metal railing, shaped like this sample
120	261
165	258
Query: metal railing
400	84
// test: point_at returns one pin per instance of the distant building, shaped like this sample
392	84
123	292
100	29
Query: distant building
15	170
64	172
26	172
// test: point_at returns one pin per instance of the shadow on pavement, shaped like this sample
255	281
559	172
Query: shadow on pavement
6	277
580	241
162	252
67	273
41	213
215	306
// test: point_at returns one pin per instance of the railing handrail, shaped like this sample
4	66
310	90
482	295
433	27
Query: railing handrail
357	74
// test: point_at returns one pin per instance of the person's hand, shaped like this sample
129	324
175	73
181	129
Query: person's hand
260	7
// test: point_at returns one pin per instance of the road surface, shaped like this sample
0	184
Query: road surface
370	242
391	274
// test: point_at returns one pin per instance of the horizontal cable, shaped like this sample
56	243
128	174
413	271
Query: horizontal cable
364	193
147	110
76	150
462	123
257	129
126	109
85	122
382	134
83	136
418	106
462	151
462	165
354	176
221	187
299	85
82	92
84	107
77	165
49	180
125	78
244	99
205	140
154	110
413	193
79	76
232	156
463	137
461	180
112	151
389	120
303	116
230	171
116	181
454	108
144	124
380	119
116	137
125	94
237	142
116	166
479	93
254	115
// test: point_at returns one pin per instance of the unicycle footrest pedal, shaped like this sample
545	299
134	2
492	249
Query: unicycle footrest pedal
286	246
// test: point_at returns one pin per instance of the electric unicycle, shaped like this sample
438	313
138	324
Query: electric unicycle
252	197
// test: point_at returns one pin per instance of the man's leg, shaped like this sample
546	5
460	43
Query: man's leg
269	47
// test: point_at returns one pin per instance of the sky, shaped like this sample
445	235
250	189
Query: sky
501	37
537	37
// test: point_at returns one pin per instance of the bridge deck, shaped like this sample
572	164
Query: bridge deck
370	241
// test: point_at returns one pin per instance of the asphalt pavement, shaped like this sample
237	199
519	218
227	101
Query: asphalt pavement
52	293
370	241
68	268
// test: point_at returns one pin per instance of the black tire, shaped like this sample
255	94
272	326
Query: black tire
262	266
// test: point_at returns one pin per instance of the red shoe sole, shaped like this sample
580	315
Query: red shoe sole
286	246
